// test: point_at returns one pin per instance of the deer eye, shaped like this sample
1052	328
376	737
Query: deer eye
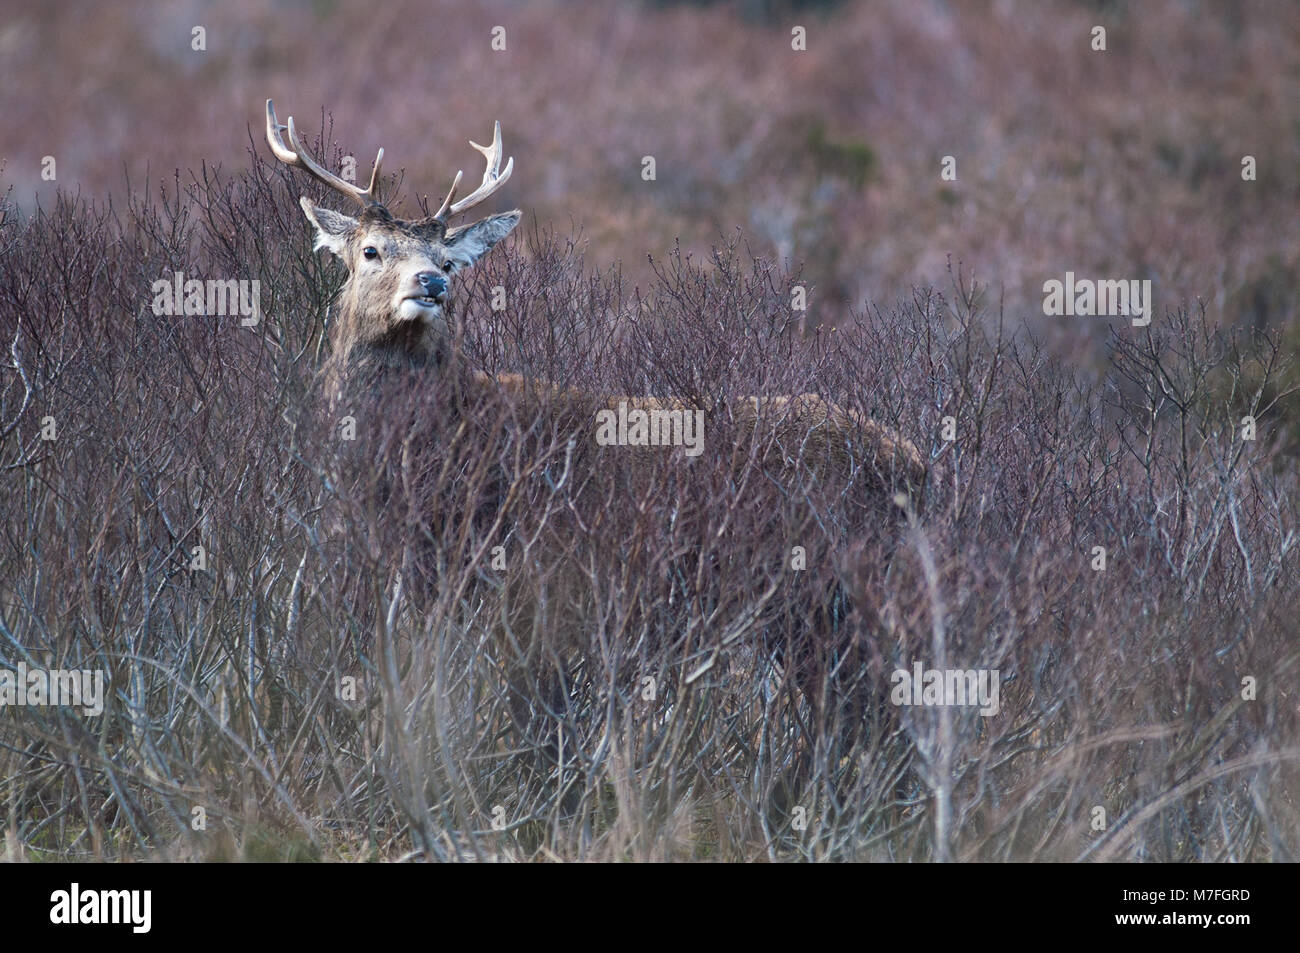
370	252
448	265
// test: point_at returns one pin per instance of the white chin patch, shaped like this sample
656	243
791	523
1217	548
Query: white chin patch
412	309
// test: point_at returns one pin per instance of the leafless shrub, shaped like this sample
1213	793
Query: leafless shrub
327	686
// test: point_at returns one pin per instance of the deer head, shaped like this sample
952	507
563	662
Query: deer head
396	305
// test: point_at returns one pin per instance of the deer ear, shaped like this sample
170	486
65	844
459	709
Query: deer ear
332	228
467	244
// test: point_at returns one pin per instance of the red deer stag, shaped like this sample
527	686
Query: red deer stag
395	309
394	313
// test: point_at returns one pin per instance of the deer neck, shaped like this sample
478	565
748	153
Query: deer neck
399	357
408	346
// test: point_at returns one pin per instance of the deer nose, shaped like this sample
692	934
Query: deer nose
434	284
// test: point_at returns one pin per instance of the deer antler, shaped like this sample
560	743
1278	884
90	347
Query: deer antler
492	178
295	155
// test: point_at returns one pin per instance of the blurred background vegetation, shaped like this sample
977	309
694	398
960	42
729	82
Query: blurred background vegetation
1123	163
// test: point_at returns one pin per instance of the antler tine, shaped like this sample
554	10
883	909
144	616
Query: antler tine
493	178
451	194
295	155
